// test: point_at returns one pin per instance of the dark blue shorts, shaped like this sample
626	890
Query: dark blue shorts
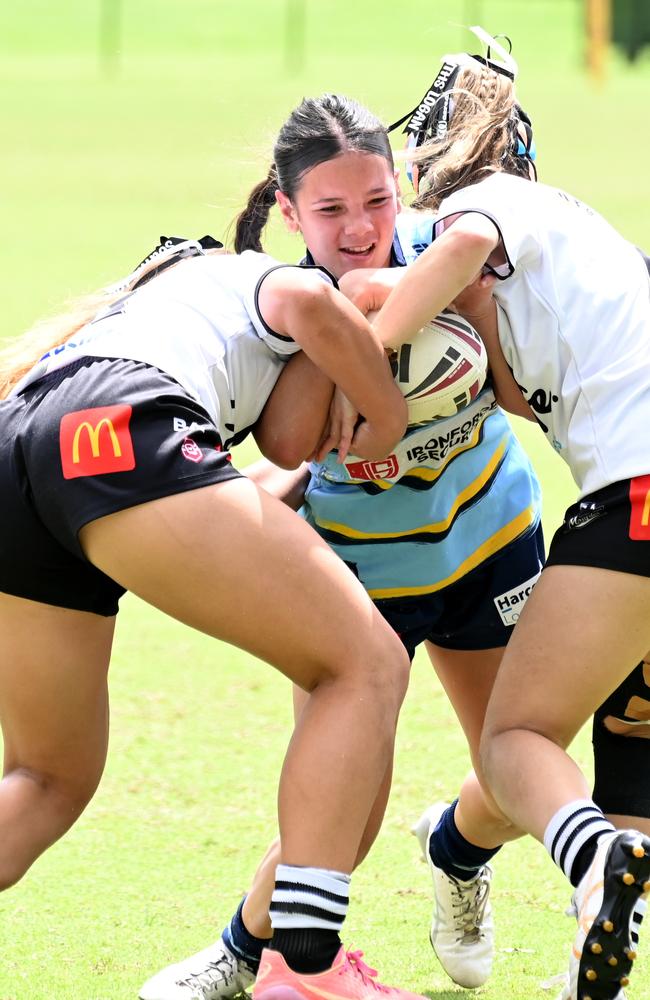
477	612
88	440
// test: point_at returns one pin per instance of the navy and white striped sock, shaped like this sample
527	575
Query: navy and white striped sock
308	907
572	835
309	897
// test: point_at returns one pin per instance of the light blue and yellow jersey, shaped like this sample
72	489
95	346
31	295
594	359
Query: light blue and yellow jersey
453	494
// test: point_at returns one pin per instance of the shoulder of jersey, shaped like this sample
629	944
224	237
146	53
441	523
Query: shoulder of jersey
415	232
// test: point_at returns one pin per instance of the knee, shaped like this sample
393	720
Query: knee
377	665
492	739
386	669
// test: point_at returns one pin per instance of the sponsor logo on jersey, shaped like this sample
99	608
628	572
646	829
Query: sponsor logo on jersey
640	515
541	402
184	428
510	604
191	451
587	512
386	469
438	446
96	442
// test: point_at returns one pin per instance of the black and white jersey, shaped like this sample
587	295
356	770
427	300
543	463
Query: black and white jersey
574	323
199	322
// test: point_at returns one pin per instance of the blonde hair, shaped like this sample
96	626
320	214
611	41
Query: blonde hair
20	356
481	138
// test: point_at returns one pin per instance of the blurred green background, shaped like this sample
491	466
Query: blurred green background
101	154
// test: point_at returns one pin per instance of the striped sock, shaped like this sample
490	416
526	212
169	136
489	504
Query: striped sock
572	835
308	907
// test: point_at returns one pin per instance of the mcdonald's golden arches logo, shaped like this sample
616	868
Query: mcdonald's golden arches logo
96	442
640	515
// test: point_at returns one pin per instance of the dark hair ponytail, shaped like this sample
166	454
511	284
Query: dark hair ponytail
250	223
318	130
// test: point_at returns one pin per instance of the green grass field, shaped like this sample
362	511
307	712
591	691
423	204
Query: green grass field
97	161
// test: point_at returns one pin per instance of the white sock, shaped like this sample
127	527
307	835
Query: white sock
572	827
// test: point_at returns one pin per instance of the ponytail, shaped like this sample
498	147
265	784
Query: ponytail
250	223
478	141
20	357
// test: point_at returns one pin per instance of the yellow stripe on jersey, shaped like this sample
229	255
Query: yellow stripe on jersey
427	474
508	533
439	527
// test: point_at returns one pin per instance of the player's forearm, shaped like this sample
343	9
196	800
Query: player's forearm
350	354
286	485
440	274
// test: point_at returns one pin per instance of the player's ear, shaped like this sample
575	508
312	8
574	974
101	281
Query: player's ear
287	211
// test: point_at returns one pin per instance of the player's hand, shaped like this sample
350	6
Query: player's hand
369	287
372	442
475	301
343	418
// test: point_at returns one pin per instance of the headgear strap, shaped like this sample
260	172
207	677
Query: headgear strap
430	119
170	249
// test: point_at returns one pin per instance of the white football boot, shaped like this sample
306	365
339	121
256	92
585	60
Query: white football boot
212	974
609	904
462	930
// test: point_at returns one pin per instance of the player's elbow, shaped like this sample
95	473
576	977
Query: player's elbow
287	454
286	449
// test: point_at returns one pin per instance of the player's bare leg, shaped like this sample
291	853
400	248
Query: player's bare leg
590	626
247	570
231	561
54	714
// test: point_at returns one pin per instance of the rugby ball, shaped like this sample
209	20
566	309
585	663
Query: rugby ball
441	369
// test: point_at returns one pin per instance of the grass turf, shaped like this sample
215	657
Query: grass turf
97	162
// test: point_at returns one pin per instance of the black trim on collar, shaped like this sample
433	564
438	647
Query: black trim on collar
277	267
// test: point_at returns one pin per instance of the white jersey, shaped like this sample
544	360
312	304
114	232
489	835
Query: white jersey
574	324
199	322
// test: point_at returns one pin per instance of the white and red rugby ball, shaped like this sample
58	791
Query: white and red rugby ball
441	369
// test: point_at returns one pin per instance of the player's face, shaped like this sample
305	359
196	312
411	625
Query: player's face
345	209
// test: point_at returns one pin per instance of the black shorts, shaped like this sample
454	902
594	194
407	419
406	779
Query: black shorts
477	612
88	440
609	529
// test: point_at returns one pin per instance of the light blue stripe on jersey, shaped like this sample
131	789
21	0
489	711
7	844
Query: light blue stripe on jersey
453	494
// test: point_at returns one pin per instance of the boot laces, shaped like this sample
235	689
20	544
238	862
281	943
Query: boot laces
353	963
469	902
220	972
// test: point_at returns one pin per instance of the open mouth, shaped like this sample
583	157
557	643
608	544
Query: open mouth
360	252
